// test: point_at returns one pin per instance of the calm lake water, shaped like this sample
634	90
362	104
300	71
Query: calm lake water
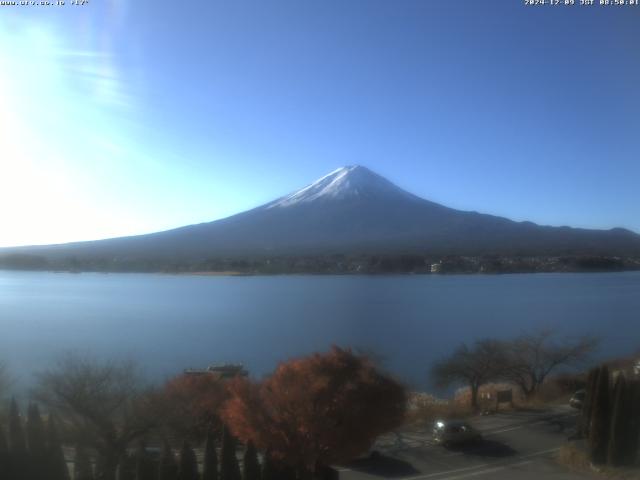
172	322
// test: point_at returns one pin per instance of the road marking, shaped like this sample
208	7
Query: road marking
490	470
475	467
437	474
528	424
507	430
453	454
540	453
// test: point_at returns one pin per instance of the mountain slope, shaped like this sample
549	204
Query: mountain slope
352	210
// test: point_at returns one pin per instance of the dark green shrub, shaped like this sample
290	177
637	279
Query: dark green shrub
587	408
4	455
250	463
17	441
188	463
210	465
229	468
82	465
633	440
619	427
600	419
168	469
57	465
126	469
268	468
146	468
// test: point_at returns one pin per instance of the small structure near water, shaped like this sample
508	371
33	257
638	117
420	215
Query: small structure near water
221	371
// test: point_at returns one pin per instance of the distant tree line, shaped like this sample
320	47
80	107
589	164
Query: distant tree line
353	263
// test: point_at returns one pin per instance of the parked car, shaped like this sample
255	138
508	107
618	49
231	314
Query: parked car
577	399
454	432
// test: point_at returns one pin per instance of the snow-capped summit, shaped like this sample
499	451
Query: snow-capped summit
352	181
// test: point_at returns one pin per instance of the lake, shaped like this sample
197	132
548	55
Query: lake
170	322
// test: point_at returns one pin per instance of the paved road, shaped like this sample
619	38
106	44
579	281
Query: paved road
517	445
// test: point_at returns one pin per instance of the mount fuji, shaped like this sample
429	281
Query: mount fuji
350	210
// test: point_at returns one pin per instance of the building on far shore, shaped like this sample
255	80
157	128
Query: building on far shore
436	267
220	371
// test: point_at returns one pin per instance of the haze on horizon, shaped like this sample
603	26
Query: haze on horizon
132	118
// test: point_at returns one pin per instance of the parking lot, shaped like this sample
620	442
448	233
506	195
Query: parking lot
516	445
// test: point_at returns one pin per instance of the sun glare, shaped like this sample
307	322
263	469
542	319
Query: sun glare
55	98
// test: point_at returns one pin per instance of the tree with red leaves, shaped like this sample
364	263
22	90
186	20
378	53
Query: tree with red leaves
316	411
193	402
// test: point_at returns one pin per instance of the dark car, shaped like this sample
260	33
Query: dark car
577	399
454	432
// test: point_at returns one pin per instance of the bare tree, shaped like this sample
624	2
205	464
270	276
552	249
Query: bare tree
104	405
532	357
473	366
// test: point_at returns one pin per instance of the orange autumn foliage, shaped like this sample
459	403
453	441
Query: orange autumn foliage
318	410
193	403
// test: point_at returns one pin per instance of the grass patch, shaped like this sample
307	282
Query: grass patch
576	459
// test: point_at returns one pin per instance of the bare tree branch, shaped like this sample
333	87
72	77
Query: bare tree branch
103	404
533	357
473	366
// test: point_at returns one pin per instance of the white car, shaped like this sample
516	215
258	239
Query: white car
577	399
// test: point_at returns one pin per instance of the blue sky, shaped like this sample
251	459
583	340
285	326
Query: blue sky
129	117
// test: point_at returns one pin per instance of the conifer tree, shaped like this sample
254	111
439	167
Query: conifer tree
188	463
600	419
633	441
99	469
268	468
126	468
4	455
56	463
168	469
587	406
250	463
20	468
210	465
36	438
4	446
36	442
619	427
17	442
229	468
82	469
287	472
145	467
277	470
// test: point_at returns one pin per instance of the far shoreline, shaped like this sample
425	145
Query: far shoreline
212	273
231	273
